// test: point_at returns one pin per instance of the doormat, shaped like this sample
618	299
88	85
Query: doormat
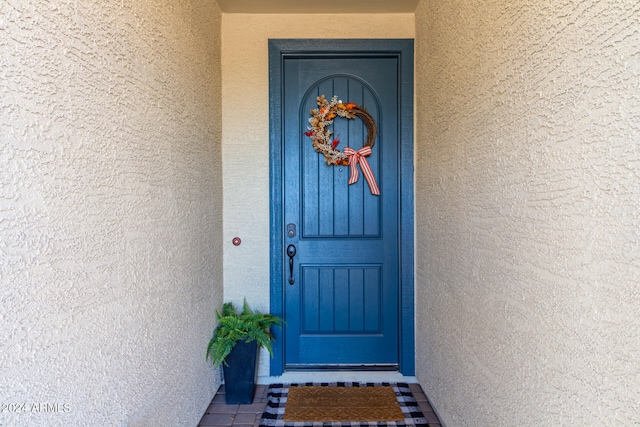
335	404
341	404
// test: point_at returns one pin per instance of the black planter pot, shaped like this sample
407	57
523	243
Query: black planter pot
240	375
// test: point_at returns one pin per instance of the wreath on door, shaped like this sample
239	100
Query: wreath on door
324	142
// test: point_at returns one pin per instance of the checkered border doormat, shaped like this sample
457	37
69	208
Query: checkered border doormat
277	399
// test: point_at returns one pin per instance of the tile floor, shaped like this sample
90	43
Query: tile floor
219	414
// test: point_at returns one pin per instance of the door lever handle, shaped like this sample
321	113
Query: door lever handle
291	252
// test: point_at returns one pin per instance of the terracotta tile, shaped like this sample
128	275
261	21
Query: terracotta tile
431	417
248	419
425	407
222	408
261	394
420	397
217	420
219	398
415	388
254	408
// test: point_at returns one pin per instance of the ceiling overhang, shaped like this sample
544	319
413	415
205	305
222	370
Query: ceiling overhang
325	6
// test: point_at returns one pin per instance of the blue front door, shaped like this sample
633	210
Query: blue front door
341	292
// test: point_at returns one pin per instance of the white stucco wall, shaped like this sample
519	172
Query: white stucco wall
110	211
245	123
528	211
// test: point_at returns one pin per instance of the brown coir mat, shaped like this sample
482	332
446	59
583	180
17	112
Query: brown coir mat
336	404
342	404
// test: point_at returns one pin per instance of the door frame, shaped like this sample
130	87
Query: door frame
279	49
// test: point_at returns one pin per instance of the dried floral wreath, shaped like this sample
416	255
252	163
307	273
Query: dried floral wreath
319	133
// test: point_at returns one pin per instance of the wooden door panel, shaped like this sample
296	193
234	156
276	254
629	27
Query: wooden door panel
330	206
343	306
341	299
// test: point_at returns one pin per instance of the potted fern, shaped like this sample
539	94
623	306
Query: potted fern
234	345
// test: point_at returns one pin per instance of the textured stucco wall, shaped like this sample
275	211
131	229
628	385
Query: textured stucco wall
245	122
110	211
528	211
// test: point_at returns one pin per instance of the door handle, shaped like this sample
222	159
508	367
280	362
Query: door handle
291	252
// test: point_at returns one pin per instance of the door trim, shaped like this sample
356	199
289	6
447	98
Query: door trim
279	49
